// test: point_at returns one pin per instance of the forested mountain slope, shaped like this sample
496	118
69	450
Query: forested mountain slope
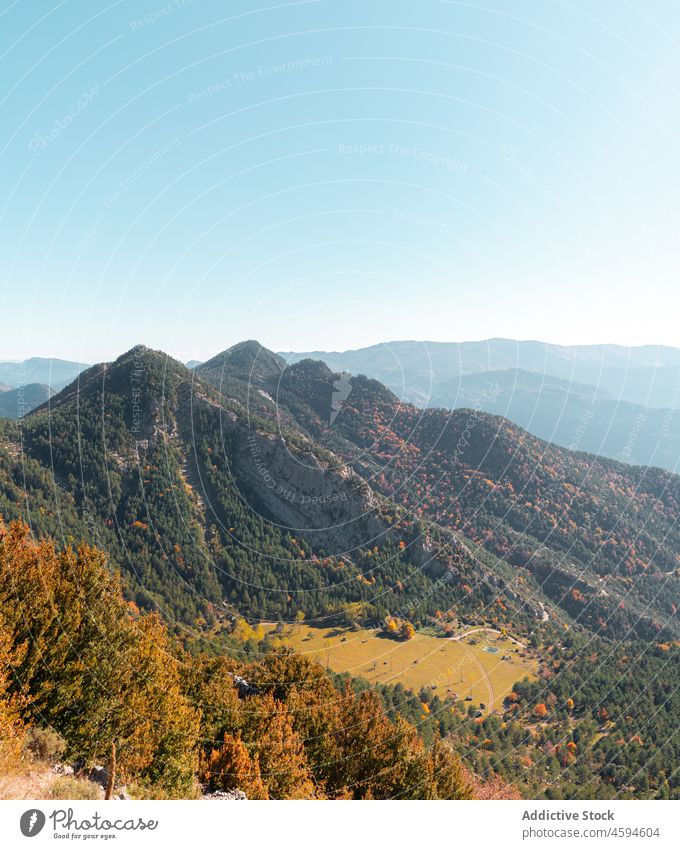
229	485
204	502
601	537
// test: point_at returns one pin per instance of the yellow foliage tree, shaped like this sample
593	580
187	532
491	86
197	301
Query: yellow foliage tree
271	737
231	768
91	670
407	631
391	625
11	726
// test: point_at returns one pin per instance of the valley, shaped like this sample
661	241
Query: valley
478	666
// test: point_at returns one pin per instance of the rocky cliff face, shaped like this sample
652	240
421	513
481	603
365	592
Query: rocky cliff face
293	486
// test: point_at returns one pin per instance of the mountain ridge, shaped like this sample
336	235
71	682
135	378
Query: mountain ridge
262	451
51	371
632	414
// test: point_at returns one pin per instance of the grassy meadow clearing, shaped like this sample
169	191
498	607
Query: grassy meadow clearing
482	665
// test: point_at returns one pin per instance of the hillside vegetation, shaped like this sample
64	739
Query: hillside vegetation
610	400
82	661
245	492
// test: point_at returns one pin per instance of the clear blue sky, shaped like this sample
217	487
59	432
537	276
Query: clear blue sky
326	174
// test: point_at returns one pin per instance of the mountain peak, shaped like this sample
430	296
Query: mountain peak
248	360
137	350
140	373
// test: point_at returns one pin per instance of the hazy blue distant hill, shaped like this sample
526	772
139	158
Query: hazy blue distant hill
52	372
573	415
467	389
648	375
610	400
17	402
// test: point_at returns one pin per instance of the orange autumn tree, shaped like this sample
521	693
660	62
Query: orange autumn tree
12	731
230	767
268	728
492	787
449	779
353	748
83	665
209	683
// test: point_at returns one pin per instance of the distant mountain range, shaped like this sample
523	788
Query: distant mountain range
52	372
26	385
617	402
15	403
609	400
647	375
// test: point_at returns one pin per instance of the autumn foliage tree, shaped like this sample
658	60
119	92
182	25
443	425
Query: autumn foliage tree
407	631
230	767
86	667
12	730
353	748
269	728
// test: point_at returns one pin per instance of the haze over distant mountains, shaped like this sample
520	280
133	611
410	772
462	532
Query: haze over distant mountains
26	385
15	403
606	399
50	371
